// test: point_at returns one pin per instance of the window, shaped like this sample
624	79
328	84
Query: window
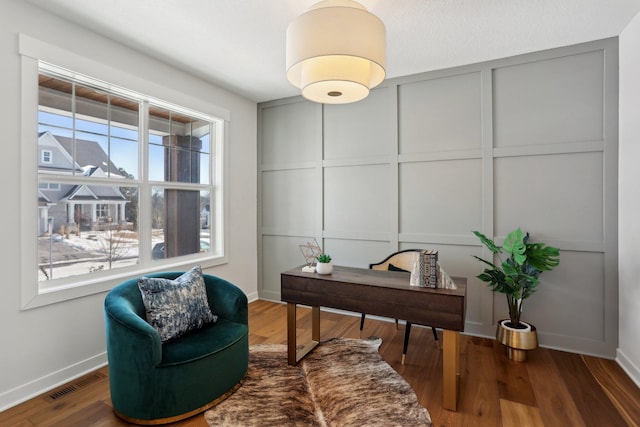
102	211
48	186
46	156
136	182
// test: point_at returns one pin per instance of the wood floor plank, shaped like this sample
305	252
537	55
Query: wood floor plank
620	389
19	415
517	414
269	324
513	378
555	403
94	414
564	385
479	389
76	402
595	407
422	367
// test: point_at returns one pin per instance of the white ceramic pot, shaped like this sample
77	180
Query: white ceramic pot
324	268
526	328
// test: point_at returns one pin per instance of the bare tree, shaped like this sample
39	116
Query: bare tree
113	245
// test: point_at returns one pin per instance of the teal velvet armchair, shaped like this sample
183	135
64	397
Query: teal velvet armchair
153	382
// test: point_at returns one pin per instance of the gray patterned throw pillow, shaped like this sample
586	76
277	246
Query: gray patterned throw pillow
175	307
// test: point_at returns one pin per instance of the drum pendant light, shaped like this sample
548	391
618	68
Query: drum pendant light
336	52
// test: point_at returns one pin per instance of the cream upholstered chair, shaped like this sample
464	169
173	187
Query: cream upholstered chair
398	261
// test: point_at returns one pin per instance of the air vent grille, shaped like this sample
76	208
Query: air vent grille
61	392
74	386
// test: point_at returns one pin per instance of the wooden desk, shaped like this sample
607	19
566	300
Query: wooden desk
382	293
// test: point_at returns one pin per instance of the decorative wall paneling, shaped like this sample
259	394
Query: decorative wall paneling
527	141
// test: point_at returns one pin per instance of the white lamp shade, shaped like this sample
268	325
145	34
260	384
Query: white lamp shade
336	52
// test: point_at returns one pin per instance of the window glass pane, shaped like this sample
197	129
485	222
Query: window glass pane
80	235
203	164
183	139
124	133
91	153
91	103
206	141
90	127
202	129
156	163
54	118
124	157
155	139
159	127
91	118
183	163
96	131
180	222
120	132
206	218
54	105
58	124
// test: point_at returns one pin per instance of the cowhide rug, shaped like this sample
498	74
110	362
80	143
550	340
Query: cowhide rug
342	382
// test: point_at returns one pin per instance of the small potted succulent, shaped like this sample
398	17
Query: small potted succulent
324	266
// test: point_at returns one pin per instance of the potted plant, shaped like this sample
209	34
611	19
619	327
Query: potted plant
517	277
324	266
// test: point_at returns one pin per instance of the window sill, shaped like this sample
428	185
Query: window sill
104	281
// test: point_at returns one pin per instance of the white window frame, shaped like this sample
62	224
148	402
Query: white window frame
33	52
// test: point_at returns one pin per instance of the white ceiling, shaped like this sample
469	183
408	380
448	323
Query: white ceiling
240	44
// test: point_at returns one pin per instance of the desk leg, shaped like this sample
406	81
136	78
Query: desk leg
291	333
293	354
450	368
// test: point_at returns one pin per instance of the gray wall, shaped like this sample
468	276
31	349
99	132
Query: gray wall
629	348
528	141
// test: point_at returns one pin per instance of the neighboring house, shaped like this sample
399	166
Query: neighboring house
88	206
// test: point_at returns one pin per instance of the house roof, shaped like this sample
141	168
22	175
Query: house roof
89	154
94	192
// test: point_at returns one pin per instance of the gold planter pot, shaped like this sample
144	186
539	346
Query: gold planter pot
517	341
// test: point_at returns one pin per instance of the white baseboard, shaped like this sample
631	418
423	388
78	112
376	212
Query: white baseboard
628	366
41	385
253	296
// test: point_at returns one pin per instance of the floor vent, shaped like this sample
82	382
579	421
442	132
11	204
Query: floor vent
74	386
61	392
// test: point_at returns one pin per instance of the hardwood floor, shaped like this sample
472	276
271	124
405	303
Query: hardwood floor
552	388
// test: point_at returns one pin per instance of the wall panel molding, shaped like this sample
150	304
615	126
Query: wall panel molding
527	141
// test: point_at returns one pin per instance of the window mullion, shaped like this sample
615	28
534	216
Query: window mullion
73	125
144	191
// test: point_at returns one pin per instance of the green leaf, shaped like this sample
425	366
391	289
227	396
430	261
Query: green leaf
514	245
509	269
488	242
541	257
485	261
324	258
